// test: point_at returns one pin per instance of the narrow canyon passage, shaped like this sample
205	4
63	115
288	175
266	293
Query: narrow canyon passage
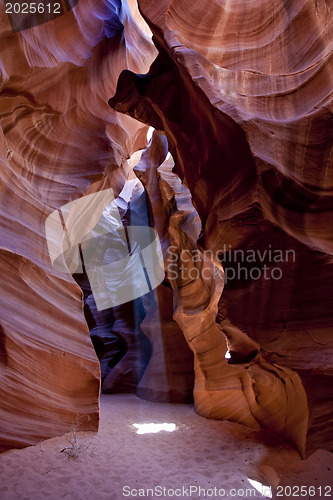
166	213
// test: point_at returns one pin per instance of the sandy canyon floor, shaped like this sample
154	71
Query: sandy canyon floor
193	458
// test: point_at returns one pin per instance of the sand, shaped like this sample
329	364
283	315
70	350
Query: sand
118	463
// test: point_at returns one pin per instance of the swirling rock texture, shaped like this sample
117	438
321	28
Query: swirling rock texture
242	91
169	375
59	139
255	391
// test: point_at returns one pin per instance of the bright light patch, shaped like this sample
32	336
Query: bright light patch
150	133
154	428
266	491
168	155
227	355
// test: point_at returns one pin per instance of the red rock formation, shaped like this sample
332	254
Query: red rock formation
255	391
242	91
58	137
169	375
263	69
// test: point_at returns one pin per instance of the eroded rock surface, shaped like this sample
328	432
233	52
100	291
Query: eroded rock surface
252	390
243	94
57	137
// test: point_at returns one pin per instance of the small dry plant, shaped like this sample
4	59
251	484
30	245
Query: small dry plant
75	448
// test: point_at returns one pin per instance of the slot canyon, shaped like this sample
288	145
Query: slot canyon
166	242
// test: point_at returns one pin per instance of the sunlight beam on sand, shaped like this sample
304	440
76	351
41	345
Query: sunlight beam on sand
266	491
154	428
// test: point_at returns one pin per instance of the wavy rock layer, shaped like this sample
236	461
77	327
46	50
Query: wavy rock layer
169	376
242	91
57	138
269	67
255	393
243	94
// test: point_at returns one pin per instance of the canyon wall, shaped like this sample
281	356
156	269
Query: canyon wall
243	93
58	139
240	93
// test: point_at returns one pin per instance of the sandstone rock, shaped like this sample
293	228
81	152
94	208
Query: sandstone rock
58	140
242	92
254	69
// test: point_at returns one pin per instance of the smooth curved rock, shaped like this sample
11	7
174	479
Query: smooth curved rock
169	376
242	91
58	141
266	71
255	392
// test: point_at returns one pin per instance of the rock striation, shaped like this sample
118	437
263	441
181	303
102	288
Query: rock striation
58	140
252	390
243	93
240	94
